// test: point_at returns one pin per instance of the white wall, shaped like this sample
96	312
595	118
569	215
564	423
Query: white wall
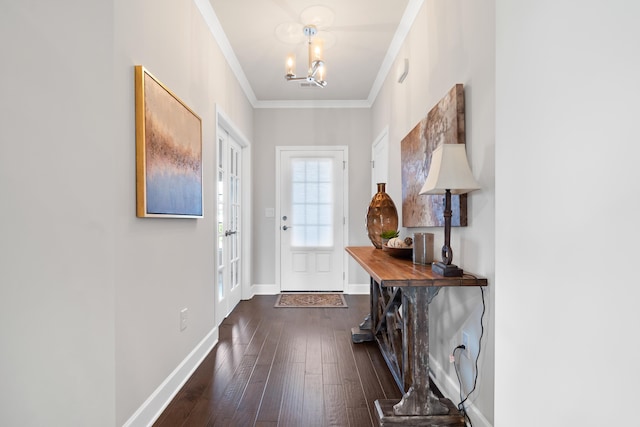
451	42
57	169
567	182
90	295
321	126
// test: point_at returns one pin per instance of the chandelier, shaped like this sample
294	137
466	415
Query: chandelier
316	73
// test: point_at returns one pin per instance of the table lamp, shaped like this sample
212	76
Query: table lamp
449	174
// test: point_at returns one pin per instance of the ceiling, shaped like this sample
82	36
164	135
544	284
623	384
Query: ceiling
361	37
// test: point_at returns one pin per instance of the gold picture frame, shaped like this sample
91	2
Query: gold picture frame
168	152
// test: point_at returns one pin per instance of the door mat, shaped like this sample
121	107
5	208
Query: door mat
311	300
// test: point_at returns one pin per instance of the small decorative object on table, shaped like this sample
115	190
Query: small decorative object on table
385	236
382	215
422	248
398	248
398	252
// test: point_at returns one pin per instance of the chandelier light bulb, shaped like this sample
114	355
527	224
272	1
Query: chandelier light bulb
291	65
317	50
322	72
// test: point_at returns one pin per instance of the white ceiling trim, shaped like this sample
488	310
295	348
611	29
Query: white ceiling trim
313	104
211	19
406	22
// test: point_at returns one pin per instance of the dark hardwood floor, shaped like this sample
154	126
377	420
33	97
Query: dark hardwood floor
285	367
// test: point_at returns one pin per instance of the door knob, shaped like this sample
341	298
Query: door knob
285	228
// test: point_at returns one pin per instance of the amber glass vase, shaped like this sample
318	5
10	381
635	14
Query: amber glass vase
382	215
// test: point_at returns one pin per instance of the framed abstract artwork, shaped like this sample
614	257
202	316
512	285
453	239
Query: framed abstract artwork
168	152
444	124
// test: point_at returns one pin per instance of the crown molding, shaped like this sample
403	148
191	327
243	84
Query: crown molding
410	14
313	104
211	19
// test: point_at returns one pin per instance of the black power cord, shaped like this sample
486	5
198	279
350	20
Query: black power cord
461	407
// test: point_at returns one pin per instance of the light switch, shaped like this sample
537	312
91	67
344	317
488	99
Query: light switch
269	212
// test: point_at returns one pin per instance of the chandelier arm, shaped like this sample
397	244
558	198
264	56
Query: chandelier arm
293	78
315	66
309	53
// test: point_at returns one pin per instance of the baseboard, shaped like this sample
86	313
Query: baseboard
152	408
275	289
265	290
354	289
450	388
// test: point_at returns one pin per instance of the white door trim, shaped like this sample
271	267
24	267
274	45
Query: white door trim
345	201
381	142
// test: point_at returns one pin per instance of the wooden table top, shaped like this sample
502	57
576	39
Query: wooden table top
389	271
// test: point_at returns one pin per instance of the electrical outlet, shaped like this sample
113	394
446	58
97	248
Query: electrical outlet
465	343
183	319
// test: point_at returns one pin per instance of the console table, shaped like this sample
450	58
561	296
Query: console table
399	322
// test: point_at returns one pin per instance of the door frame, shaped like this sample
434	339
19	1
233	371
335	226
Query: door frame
382	141
224	122
345	204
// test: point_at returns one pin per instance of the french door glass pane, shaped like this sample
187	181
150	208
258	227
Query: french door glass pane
221	216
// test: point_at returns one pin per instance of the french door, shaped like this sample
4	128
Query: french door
311	218
229	229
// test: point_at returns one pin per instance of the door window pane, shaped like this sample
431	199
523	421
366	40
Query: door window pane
312	202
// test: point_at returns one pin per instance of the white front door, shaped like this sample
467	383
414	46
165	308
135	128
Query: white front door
311	218
229	230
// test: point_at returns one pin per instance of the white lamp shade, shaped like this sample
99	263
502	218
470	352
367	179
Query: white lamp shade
449	170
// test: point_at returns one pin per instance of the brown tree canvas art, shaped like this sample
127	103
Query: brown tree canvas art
444	124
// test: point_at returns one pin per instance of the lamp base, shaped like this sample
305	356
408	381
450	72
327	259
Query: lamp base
445	270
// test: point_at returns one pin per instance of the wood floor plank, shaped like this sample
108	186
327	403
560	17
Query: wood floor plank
298	351
359	417
203	407
354	394
186	406
183	402
268	351
389	386
228	403
366	373
231	400
329	347
313	401
331	374
272	398
335	409
313	360
292	397
250	403
247	410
